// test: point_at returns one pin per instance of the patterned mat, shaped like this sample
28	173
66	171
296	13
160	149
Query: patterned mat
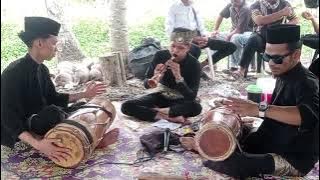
25	163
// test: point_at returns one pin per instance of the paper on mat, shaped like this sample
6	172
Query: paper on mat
162	123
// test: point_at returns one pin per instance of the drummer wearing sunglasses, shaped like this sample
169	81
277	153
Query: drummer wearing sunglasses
286	143
282	57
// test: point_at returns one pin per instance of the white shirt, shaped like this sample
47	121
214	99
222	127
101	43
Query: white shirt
182	16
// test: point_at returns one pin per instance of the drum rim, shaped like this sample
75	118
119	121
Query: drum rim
229	113
223	127
82	139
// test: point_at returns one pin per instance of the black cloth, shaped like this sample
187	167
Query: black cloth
26	88
154	141
299	145
141	108
239	19
222	48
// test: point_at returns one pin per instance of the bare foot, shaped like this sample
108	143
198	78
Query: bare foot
187	122
188	143
109	138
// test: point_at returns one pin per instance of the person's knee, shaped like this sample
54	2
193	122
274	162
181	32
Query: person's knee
236	39
197	108
232	166
195	51
255	41
232	47
233	170
46	119
126	107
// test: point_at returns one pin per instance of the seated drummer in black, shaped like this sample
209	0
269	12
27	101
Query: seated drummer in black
287	142
30	105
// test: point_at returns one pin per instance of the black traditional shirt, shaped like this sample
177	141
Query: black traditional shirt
26	88
190	71
239	19
299	145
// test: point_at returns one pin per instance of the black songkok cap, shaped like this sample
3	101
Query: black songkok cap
283	33
35	27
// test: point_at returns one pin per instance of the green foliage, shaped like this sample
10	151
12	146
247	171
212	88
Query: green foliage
93	36
11	46
224	27
154	28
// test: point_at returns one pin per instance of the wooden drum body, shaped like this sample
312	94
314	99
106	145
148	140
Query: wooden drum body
217	138
83	130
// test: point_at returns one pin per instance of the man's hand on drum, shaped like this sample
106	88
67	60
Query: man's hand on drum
50	148
94	88
242	107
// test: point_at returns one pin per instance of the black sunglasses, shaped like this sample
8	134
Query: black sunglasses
278	59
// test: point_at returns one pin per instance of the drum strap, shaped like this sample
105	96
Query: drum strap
97	107
80	126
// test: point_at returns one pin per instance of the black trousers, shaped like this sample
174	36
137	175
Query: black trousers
141	108
311	40
223	48
45	120
49	117
252	163
256	43
315	67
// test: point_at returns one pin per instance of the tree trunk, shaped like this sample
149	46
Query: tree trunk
70	50
113	69
118	28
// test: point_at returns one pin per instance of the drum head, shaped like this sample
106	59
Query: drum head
73	139
215	142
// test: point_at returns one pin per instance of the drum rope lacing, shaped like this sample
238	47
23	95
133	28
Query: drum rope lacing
241	125
218	109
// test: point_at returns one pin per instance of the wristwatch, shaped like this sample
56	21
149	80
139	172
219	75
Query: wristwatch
181	80
263	107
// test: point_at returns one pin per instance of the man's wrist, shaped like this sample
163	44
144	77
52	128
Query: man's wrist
29	138
82	95
263	107
179	79
35	144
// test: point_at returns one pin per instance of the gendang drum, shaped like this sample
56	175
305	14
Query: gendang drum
83	130
217	138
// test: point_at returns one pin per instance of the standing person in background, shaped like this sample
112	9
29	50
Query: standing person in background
241	29
182	14
264	14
